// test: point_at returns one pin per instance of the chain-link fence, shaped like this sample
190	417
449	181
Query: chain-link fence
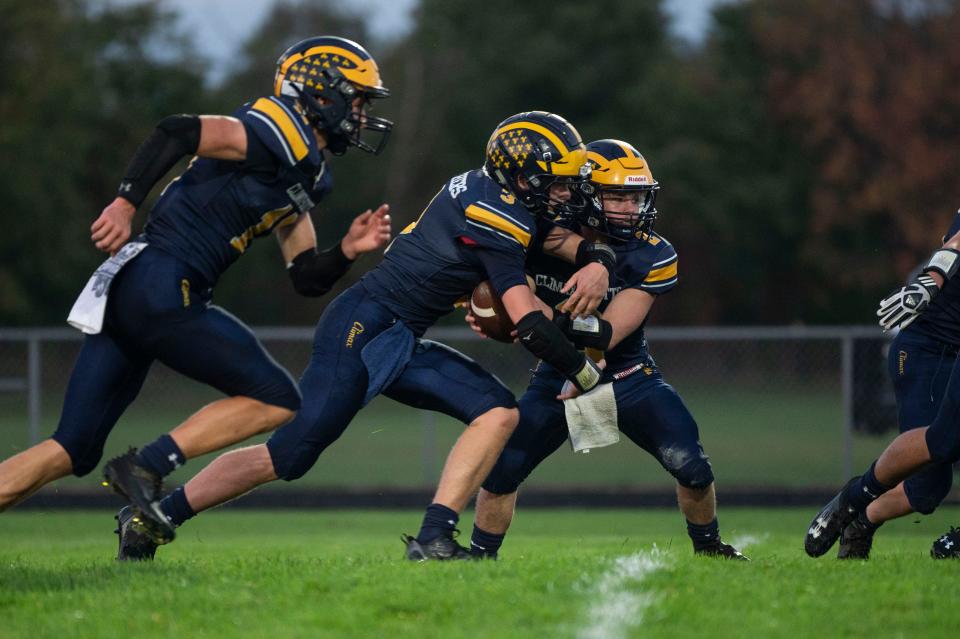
789	407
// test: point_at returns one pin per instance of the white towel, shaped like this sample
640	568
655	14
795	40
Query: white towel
88	311
592	419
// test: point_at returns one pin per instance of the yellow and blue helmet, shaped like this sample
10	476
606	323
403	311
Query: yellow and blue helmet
326	74
544	149
618	170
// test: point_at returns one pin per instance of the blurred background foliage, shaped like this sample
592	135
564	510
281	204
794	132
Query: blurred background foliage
807	149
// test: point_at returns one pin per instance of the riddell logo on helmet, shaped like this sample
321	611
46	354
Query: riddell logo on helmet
636	179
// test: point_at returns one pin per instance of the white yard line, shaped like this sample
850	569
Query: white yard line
614	605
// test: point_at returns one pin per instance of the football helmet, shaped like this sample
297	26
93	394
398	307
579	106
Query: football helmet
619	171
326	75
544	149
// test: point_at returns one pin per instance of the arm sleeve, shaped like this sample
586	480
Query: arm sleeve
314	272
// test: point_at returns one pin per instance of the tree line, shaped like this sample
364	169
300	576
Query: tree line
807	150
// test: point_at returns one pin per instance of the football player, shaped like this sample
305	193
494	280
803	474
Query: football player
914	473
261	169
369	339
648	410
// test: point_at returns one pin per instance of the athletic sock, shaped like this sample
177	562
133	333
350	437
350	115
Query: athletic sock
865	489
865	522
176	507
438	520
704	536
485	544
162	456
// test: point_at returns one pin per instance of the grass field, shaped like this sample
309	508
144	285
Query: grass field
756	437
592	574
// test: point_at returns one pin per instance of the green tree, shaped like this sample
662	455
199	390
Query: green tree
79	89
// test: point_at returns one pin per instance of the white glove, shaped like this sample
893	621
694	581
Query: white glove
899	309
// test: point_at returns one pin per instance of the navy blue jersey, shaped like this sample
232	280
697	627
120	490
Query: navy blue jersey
208	216
647	263
941	320
436	261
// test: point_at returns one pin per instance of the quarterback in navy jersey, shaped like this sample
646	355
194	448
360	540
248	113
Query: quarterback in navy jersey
647	409
368	341
260	170
915	472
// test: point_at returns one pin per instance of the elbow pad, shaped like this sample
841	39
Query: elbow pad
544	339
174	137
585	332
315	272
588	252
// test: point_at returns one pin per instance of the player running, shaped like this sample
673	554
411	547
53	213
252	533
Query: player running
369	339
915	472
260	170
643	406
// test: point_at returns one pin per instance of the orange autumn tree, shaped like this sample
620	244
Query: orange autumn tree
871	90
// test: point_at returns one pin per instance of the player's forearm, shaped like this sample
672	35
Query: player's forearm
627	312
562	243
174	137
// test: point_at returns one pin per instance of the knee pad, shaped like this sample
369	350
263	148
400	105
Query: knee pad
292	465
508	473
285	395
84	455
690	470
943	442
926	490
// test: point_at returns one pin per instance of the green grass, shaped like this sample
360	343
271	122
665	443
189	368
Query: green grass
339	574
755	437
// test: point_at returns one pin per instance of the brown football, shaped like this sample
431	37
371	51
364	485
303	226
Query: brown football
491	316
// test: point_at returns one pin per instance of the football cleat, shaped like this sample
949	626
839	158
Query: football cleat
143	489
722	550
829	523
479	554
856	540
947	546
135	544
440	548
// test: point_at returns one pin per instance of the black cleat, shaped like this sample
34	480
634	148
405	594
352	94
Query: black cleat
440	548
722	550
826	527
856	540
143	489
135	544
947	546
481	555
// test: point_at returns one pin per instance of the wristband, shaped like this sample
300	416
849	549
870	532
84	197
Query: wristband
944	261
588	252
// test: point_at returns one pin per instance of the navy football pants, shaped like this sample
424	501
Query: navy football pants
159	309
334	385
927	395
649	412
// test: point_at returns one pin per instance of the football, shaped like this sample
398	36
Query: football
488	309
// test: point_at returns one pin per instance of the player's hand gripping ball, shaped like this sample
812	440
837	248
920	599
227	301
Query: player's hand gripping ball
489	313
